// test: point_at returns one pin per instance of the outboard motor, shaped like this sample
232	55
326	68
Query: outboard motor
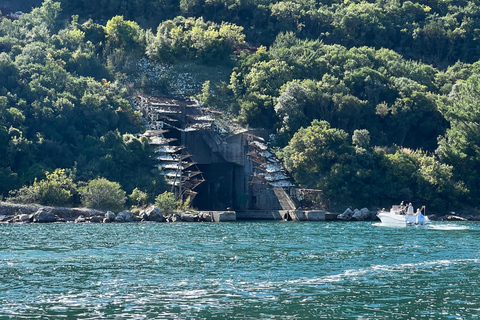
420	219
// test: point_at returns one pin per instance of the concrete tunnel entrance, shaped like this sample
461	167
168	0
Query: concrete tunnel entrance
222	188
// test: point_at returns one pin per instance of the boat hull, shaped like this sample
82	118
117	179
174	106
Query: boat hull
390	218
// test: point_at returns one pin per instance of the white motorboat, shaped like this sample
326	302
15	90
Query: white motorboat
403	216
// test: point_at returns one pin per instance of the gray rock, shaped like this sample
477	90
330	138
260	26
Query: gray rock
119	219
205	217
96	219
24	218
152	213
125	215
43	216
109	215
80	219
174	218
346	215
361	215
4	218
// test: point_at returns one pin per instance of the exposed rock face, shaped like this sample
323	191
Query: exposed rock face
80	219
205	217
346	215
96	219
24	218
174	218
126	216
44	216
355	215
361	215
109	217
152	213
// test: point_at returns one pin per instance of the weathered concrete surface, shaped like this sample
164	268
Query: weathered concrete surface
262	215
295	215
331	216
308	215
221	216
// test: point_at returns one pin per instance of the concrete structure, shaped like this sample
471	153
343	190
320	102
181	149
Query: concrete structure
219	169
310	215
224	216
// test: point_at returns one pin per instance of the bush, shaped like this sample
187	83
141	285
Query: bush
166	202
56	190
138	197
103	194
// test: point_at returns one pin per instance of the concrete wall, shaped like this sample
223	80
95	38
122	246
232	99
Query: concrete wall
297	215
311	215
261	215
221	216
263	197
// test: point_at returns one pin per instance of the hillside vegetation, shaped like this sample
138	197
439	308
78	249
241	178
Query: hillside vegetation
373	102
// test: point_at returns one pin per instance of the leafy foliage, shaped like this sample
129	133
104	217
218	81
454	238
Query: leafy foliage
57	189
166	202
103	194
62	107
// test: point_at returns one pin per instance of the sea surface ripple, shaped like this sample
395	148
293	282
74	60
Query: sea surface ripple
241	270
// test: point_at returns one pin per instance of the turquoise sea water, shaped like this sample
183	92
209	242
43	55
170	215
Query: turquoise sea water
241	270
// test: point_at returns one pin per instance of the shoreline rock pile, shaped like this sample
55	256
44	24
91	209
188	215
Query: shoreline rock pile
357	215
16	213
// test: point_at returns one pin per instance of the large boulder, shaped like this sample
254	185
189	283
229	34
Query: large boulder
24	218
109	216
346	215
205	217
152	213
80	219
44	216
126	216
96	219
174	217
361	215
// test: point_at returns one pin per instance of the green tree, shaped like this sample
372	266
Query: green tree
459	146
57	189
103	194
123	33
313	151
290	108
361	138
138	197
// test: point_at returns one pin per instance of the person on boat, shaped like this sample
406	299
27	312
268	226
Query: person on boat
402	208
410	208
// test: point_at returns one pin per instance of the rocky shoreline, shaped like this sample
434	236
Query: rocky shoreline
18	213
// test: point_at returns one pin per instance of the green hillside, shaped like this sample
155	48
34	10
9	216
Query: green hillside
373	102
